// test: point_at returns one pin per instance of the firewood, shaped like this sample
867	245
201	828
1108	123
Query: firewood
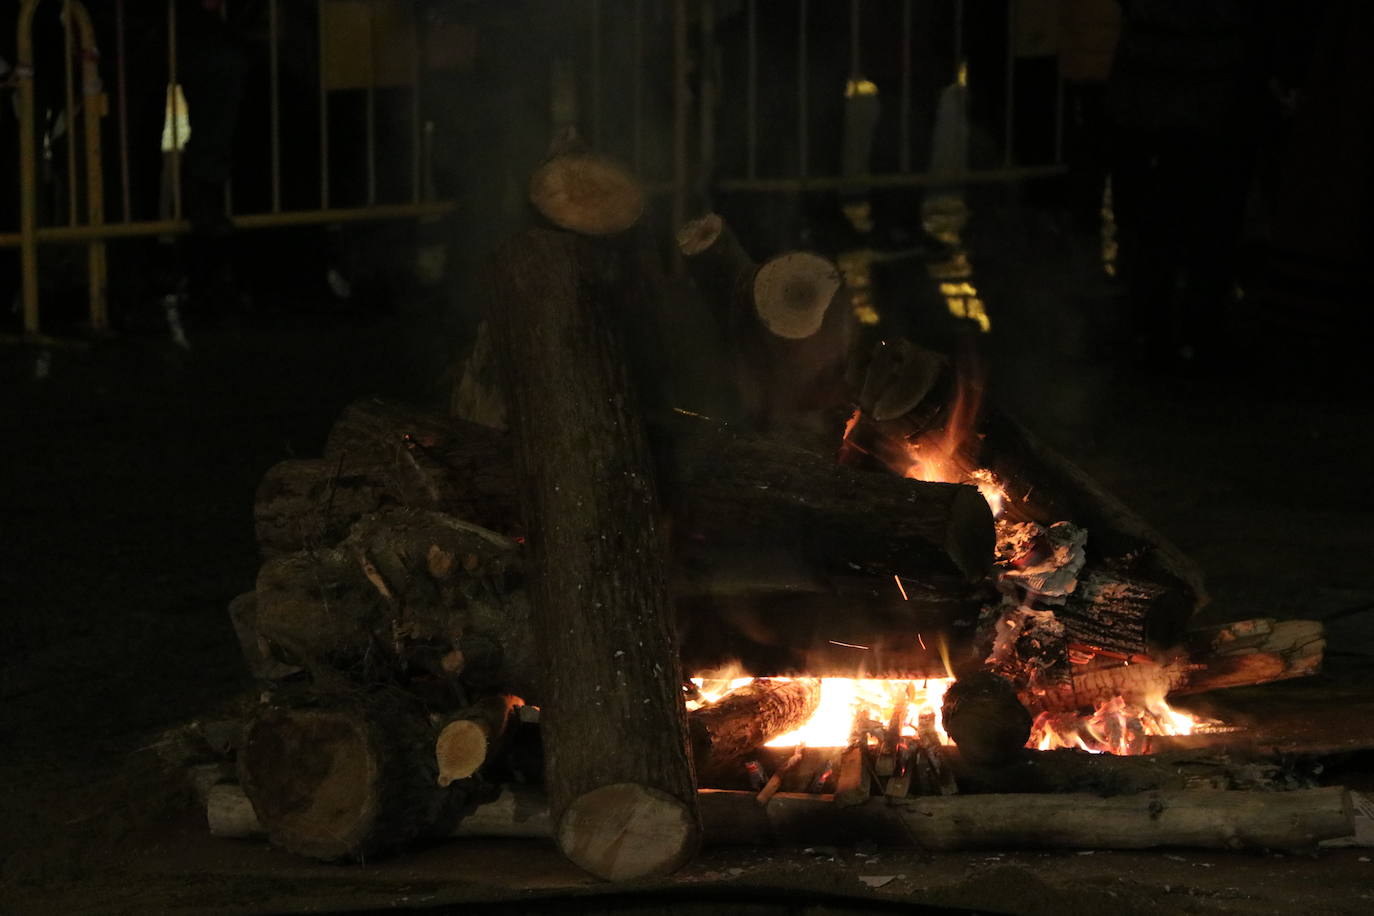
1205	820
230	814
851	783
477	394
313	502
409	590
585	192
617	768
774	783
471	737
985	719
827	516
787	324
1289	648
1116	611
343	776
725	733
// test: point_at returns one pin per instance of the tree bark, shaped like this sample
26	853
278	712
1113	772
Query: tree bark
724	488
343	777
618	773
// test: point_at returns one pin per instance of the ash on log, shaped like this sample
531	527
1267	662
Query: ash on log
617	769
725	733
343	776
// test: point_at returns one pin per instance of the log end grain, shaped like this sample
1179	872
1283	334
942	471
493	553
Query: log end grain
699	234
793	292
587	193
625	831
461	749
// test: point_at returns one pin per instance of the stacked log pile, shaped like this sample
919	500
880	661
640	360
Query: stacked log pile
429	580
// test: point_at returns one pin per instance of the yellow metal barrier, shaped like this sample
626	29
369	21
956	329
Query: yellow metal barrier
74	17
94	231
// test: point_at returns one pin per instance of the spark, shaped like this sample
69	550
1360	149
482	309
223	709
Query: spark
898	579
847	645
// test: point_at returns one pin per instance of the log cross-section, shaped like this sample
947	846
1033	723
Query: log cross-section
618	774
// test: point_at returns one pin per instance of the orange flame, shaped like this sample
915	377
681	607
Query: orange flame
852	707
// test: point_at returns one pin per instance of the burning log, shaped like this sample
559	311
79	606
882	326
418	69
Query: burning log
725	733
343	777
984	717
1202	819
600	610
472	736
1118	612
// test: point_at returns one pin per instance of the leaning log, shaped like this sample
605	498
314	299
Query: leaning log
343	776
617	769
725	733
787	323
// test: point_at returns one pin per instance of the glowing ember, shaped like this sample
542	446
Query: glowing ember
847	703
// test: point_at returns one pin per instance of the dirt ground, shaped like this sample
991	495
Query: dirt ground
125	529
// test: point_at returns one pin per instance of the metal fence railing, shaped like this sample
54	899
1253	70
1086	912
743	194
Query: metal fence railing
363	45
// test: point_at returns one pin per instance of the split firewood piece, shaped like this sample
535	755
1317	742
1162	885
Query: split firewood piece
904	767
774	783
897	378
585	192
471	737
725	733
617	767
477	393
985	718
851	781
343	776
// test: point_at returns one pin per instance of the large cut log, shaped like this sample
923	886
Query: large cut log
1296	820
984	717
725	733
344	776
726	490
584	191
617	769
787	323
1205	820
